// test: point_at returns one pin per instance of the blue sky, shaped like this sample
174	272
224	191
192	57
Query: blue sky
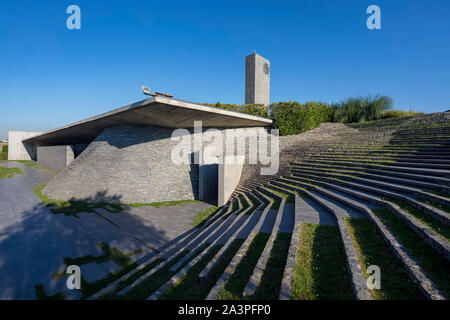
319	50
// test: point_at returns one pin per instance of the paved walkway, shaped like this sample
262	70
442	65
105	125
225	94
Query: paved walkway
34	241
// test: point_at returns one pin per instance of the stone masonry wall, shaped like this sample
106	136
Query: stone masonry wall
128	164
55	158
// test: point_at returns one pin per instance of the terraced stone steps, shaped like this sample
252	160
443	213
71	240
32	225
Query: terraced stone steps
425	185
173	247
237	228
426	285
433	239
238	256
373	186
414	170
439	215
395	158
420	177
256	276
339	212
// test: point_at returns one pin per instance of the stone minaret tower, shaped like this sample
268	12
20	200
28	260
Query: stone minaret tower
257	80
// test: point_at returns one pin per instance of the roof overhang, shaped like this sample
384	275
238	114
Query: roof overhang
157	111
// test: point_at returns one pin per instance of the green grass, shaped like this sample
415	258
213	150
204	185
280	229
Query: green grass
442	230
442	194
200	218
269	287
9	172
234	205
440	206
192	288
320	272
73	208
276	200
373	250
233	288
434	265
253	203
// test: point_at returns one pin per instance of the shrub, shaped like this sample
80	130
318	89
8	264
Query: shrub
5	148
361	109
3	155
399	114
293	117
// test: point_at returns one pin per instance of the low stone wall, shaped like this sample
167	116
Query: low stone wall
18	150
55	158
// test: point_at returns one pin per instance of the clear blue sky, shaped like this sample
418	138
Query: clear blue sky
319	50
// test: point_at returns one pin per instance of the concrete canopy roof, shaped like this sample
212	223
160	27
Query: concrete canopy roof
157	111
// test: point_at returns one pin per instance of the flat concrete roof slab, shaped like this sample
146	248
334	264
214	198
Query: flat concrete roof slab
158	111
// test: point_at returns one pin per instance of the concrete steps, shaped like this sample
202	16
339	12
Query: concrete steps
433	169
439	215
427	286
434	240
237	227
419	177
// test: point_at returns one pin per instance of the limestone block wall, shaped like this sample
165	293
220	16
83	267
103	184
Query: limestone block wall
130	164
18	150
55	158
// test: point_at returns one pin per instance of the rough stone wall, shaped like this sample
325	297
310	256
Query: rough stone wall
55	158
18	150
130	164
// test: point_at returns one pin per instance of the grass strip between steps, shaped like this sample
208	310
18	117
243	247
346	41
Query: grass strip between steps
320	272
200	218
373	250
433	264
440	206
440	229
123	284
233	288
151	284
269	287
192	288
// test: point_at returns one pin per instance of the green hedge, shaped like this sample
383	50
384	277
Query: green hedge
5	148
294	118
3	155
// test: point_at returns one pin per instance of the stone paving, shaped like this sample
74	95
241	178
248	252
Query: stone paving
34	241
